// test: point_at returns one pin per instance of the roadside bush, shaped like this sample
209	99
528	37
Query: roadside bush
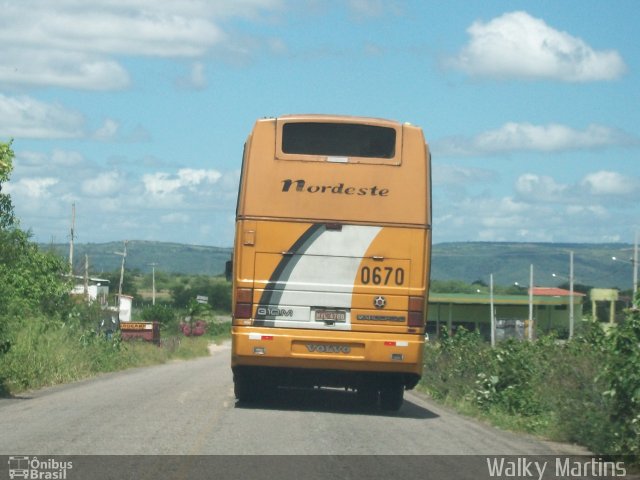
586	390
519	368
622	374
216	290
453	364
573	388
164	314
463	368
219	329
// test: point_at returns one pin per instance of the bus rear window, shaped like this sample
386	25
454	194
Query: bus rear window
338	140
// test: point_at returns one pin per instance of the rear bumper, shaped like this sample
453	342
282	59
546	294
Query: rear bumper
346	351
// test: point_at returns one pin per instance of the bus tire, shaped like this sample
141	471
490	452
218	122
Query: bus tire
391	396
367	396
243	387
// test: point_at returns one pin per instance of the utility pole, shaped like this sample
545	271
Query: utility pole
571	279
634	295
86	277
493	316
72	236
571	319
634	263
153	283
124	255
530	329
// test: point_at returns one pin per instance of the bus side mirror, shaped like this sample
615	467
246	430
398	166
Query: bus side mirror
228	270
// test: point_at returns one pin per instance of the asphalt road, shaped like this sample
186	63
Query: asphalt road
188	408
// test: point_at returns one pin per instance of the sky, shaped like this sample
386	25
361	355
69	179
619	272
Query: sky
136	111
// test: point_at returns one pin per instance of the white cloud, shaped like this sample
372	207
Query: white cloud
105	184
118	203
138	134
514	137
453	175
64	158
584	195
34	188
151	33
107	131
198	76
485	218
610	183
540	188
162	184
541	208
43	65
517	45
591	211
196	79
195	177
373	8
31	164
26	117
173	218
75	44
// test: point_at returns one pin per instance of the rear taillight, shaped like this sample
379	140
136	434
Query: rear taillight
416	312
243	303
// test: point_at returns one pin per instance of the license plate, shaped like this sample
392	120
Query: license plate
331	316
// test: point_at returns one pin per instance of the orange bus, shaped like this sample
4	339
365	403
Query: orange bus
331	257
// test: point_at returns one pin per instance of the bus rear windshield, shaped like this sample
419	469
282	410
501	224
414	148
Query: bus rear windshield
338	139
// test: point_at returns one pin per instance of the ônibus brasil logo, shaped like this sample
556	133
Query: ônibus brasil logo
34	469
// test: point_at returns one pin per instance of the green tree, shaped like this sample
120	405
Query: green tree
220	296
6	165
218	292
164	314
7	218
183	293
29	279
31	282
452	286
128	282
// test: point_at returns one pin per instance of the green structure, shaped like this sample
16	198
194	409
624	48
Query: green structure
551	312
604	295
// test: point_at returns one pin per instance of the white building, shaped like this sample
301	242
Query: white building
97	288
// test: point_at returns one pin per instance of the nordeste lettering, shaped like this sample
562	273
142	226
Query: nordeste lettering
301	186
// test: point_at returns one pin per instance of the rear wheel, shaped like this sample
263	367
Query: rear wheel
391	396
244	387
367	396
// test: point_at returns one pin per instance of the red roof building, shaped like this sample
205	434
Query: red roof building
555	292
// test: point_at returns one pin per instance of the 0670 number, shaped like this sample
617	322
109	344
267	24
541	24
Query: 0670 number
381	275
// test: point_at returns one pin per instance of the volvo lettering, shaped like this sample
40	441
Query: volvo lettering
328	348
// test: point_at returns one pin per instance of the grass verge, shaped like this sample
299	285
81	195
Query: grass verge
46	352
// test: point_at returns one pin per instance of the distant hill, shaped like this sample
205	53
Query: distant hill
466	261
509	262
168	257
